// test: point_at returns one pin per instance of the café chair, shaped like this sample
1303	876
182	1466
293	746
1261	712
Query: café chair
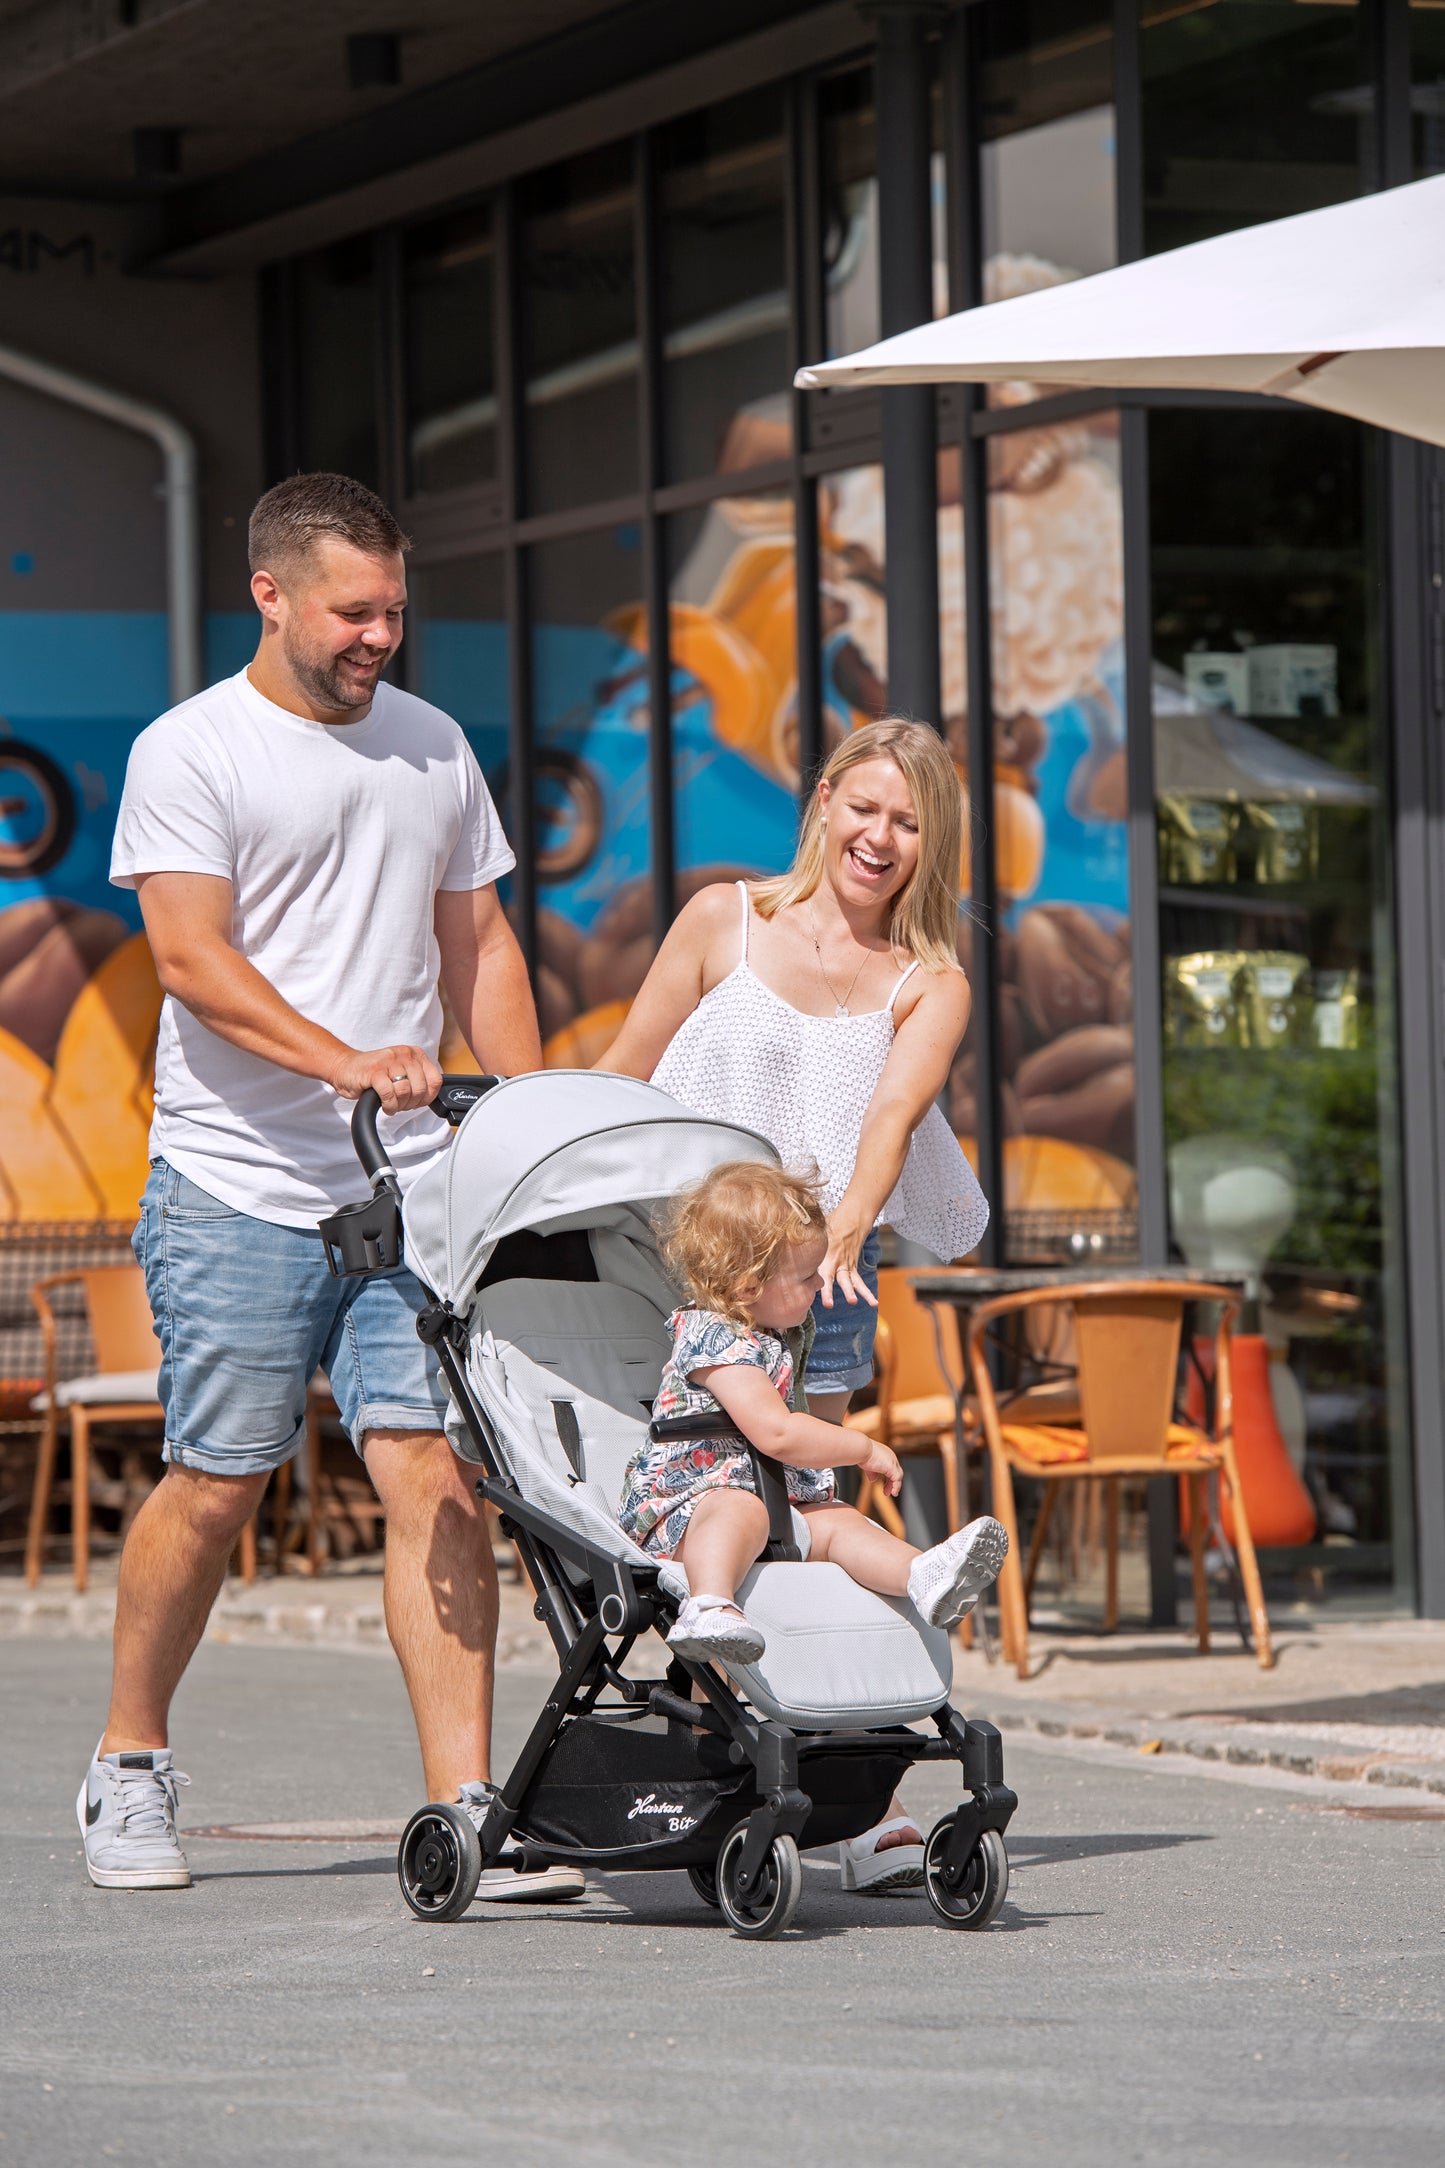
1126	1339
915	1411
120	1391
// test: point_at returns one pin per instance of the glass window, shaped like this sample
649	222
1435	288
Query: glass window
336	351
1427	88
1252	109
734	689
850	210
449	274
1060	843
594	838
458	657
854	602
1279	1091
726	401
1048	152
458	652
579	330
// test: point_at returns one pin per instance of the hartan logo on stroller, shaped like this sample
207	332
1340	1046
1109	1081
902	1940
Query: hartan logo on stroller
672	1809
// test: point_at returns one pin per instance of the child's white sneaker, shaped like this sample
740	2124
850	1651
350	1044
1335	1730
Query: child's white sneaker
712	1629
947	1581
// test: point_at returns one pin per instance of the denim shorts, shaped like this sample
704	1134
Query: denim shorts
841	1357
246	1311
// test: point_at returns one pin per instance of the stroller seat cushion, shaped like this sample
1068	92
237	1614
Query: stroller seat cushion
838	1657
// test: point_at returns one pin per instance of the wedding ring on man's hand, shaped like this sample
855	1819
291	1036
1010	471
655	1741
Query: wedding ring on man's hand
396	1077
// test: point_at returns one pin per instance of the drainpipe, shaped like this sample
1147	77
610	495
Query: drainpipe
181	490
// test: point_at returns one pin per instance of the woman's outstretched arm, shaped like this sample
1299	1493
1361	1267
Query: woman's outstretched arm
913	1076
675	984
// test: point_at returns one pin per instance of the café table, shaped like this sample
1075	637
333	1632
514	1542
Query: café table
962	1288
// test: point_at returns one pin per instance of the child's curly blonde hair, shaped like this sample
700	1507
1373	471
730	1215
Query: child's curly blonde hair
722	1238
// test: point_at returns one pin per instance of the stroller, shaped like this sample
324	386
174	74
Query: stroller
533	1238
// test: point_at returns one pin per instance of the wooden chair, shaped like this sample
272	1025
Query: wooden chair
1126	1339
916	1409
121	1390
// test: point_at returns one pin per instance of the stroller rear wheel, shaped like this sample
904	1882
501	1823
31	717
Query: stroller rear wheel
976	1897
704	1881
774	1898
439	1863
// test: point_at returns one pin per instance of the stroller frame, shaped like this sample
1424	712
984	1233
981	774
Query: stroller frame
763	1783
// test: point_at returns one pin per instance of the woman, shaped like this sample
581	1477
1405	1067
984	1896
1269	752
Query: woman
823	1008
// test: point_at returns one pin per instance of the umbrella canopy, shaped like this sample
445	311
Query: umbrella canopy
559	1149
1342	308
1208	753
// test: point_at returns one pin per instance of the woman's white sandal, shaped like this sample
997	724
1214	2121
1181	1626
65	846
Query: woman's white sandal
878	1874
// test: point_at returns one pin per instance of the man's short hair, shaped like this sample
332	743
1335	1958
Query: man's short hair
293	517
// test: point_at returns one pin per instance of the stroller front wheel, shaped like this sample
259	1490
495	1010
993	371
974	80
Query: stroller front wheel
439	1863
976	1898
770	1905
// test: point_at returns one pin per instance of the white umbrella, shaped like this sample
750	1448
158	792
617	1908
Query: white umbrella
1342	308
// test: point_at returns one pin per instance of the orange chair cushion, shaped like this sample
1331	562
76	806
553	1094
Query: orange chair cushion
1053	1445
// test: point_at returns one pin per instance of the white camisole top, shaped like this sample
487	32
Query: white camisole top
805	1082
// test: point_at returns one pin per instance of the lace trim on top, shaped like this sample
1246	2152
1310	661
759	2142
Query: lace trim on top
805	1082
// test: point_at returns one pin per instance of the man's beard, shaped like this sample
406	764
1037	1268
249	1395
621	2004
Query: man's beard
320	675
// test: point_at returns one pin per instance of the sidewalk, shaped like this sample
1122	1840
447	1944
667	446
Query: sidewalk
1348	1700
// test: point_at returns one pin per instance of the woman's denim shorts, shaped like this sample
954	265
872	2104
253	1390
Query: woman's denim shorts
841	1357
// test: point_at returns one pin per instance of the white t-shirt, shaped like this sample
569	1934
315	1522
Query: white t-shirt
336	839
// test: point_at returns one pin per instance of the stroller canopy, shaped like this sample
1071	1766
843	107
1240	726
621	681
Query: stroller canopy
563	1148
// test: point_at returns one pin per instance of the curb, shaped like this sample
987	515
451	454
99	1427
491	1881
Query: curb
44	1615
1300	1754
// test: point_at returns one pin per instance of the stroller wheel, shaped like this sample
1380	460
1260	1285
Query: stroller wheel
976	1898
704	1881
439	1863
773	1900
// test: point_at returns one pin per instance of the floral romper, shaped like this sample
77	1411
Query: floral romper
665	1478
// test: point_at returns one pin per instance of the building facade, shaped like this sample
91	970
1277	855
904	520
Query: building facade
1187	653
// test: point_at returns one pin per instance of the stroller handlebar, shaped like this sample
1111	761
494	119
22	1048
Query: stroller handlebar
455	1099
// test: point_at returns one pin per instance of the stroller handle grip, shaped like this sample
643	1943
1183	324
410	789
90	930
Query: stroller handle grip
457	1095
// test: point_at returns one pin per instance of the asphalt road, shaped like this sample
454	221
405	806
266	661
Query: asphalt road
1189	1970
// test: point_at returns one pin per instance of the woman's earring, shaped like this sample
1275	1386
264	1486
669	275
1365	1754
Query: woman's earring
823	822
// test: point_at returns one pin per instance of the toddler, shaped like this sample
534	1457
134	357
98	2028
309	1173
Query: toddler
747	1242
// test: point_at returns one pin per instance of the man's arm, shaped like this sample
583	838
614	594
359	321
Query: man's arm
486	980
188	922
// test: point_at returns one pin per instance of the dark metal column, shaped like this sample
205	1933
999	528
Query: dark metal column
656	599
1149	1143
905	289
806	311
1413	628
512	475
963	143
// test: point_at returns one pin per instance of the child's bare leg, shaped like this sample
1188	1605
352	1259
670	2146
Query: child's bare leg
726	1534
844	1537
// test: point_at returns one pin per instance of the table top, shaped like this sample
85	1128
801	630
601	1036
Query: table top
953	1284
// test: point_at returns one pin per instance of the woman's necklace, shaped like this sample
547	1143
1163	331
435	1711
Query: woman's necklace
840	1007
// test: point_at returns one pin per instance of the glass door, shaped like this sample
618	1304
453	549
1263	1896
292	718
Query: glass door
1280	1091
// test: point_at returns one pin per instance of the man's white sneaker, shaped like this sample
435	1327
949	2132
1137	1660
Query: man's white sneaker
711	1628
127	1816
947	1581
499	1885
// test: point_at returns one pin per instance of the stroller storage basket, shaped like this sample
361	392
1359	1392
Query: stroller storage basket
639	1793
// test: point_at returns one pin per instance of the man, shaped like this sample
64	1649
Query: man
312	850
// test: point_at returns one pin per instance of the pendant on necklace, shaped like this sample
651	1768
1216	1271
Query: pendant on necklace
840	1008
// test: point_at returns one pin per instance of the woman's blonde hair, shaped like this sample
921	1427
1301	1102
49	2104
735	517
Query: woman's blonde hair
723	1237
924	919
